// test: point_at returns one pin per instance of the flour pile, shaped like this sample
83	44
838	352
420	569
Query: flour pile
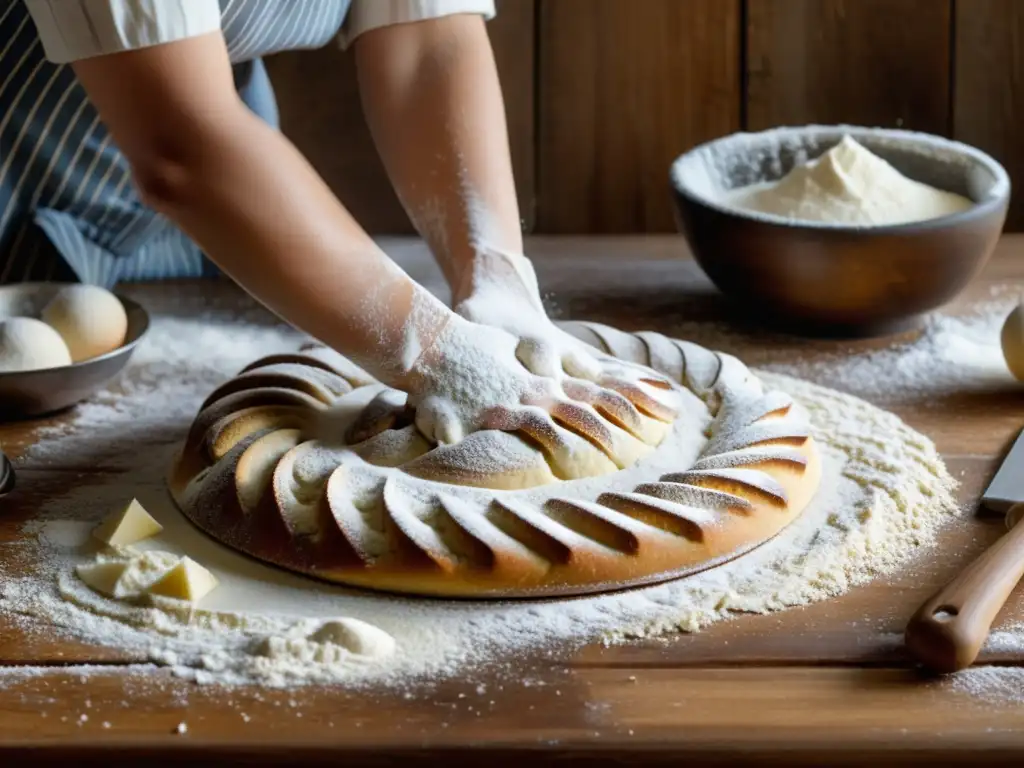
884	493
849	185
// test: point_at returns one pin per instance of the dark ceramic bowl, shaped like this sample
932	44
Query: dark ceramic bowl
823	279
26	394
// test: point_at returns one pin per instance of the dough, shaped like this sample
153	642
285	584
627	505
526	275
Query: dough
30	345
528	512
1013	341
848	185
91	320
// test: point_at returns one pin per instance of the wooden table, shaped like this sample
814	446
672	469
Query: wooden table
829	684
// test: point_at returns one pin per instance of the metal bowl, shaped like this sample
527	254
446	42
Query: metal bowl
28	394
821	279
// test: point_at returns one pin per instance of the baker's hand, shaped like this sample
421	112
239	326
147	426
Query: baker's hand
470	379
504	294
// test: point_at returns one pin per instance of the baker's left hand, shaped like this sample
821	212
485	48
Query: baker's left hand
504	293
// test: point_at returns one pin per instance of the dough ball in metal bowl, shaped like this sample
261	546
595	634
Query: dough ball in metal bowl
90	319
27	344
28	394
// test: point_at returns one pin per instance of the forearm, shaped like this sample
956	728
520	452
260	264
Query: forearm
257	208
433	101
268	220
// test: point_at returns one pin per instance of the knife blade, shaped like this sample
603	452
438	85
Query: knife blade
948	630
1007	487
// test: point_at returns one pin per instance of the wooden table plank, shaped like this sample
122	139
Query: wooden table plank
795	716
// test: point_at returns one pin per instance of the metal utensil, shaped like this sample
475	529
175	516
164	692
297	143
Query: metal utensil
948	631
27	394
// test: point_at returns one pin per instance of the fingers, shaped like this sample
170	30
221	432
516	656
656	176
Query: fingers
548	358
539	357
437	420
581	365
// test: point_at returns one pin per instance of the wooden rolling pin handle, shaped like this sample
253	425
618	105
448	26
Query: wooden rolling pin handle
948	631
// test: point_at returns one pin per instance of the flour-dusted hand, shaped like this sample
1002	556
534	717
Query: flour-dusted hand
504	294
470	379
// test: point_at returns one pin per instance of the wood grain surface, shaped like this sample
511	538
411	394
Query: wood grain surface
624	89
318	99
866	62
988	104
827	684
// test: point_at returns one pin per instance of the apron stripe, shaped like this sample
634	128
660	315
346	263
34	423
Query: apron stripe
117	193
72	164
58	150
27	171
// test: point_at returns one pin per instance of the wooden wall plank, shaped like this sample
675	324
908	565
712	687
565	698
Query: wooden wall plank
988	105
624	88
869	62
319	103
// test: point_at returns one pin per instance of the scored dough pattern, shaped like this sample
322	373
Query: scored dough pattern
387	513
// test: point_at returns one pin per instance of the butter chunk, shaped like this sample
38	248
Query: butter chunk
127	527
187	580
103	577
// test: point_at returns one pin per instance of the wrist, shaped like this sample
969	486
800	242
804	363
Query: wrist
505	273
424	326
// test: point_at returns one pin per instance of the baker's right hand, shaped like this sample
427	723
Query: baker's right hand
470	378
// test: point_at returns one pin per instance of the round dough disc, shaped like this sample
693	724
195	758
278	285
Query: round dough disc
1013	341
30	345
91	320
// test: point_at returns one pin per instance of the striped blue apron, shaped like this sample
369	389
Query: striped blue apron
68	209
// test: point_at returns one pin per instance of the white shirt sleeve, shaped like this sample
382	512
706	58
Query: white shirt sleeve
80	29
365	15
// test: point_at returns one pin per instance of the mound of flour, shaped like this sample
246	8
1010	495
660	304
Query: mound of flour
884	493
848	184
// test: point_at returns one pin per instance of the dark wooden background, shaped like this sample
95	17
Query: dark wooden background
602	94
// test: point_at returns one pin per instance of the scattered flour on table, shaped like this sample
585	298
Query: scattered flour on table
995	684
952	356
884	493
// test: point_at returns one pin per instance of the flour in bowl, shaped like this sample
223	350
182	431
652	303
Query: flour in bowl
848	185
